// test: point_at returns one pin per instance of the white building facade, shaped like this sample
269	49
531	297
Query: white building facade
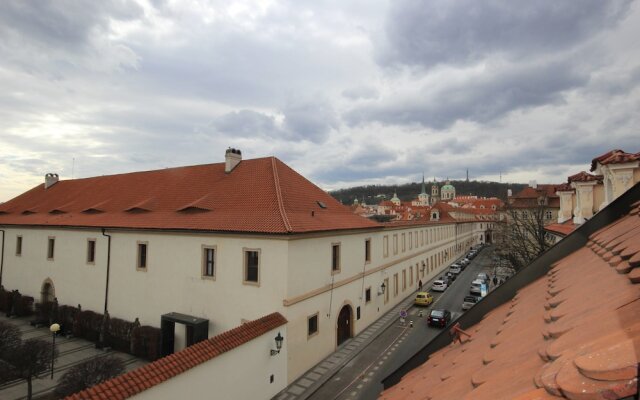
326	281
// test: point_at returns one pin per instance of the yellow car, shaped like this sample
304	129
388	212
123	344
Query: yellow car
423	299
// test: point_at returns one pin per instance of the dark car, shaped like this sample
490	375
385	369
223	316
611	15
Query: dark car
446	279
451	275
439	318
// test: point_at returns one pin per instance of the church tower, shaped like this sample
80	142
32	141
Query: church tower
435	192
423	197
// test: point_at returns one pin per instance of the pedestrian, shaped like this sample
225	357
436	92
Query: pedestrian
419	284
495	280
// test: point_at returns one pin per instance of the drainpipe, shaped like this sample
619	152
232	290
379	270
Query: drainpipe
2	255
106	289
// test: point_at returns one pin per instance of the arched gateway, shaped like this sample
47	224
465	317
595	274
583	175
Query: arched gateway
344	324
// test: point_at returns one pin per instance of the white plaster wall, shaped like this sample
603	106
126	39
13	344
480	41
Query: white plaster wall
75	281
172	281
242	373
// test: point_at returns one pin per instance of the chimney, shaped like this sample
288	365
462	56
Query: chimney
533	184
509	193
232	157
50	180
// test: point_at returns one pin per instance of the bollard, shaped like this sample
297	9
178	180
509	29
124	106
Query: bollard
411	324
420	313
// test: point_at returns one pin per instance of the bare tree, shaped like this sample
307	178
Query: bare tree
523	238
9	337
26	360
89	373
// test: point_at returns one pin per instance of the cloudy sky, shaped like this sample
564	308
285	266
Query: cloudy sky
345	92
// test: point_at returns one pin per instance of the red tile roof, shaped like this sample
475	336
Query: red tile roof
143	378
260	195
614	157
562	229
574	333
585	177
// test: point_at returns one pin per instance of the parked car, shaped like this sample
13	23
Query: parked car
456	269
452	277
423	299
439	285
446	279
469	301
483	276
464	262
476	286
439	318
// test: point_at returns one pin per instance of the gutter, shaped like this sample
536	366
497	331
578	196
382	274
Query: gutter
2	255
106	288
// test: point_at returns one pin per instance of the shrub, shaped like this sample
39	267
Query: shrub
145	342
87	325
89	373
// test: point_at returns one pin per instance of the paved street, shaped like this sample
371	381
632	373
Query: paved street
360	377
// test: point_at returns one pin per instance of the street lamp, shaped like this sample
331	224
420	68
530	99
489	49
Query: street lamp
279	339
54	328
382	288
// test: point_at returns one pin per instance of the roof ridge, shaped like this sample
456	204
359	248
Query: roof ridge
276	181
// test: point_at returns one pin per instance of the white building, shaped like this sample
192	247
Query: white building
227	242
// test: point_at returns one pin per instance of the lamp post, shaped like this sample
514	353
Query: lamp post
54	328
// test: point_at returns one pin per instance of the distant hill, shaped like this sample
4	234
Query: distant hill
373	194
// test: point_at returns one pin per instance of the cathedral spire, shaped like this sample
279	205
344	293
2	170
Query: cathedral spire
424	189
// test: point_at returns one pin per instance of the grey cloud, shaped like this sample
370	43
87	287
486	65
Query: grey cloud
458	32
247	123
310	120
483	100
360	92
62	23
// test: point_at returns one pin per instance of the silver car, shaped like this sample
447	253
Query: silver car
439	286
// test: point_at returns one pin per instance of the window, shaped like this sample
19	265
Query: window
252	266
358	313
335	257
208	261
395	285
395	244
51	248
385	246
91	251
19	245
404	242
404	280
312	325
142	256
548	214
411	275
386	292
410	240
367	295
367	250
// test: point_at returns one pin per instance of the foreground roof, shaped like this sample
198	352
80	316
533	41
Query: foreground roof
573	333
260	195
143	378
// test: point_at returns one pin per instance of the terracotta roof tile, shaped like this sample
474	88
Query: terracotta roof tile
138	380
260	195
574	333
614	157
584	177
